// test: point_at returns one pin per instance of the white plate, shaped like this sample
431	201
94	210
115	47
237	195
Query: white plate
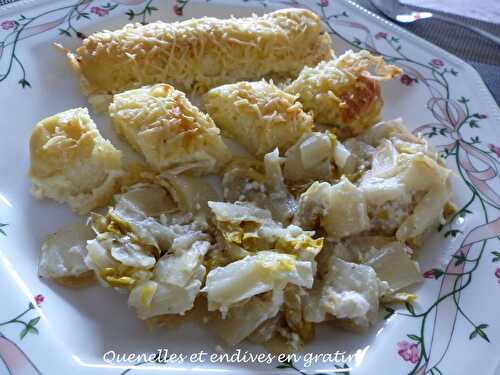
454	328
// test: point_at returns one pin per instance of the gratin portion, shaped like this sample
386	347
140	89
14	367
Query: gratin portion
400	188
198	54
72	163
274	255
258	115
316	225
171	133
343	92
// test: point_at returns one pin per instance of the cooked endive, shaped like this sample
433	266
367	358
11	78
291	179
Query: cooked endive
63	253
340	208
253	275
266	259
262	184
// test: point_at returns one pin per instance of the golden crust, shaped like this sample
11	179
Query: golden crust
171	133
258	115
343	92
198	54
71	162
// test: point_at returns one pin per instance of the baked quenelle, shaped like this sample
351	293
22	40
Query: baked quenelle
259	115
72	163
171	133
198	54
344	92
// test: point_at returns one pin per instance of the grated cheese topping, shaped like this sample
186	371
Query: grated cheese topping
171	133
198	54
259	115
72	163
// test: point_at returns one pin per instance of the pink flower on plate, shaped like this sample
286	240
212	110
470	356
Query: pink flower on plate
407	351
406	80
8	24
438	63
178	9
99	11
429	274
495	149
482	116
380	35
434	273
497	274
39	299
323	3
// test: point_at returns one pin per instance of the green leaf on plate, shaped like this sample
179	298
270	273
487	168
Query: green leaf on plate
479	331
460	258
2	225
33	322
452	232
473	124
131	14
64	32
24	83
26	330
410	308
475	140
437	273
414	338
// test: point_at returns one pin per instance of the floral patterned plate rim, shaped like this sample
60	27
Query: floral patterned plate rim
453	327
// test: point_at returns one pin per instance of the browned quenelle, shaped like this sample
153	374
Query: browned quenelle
343	92
198	54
